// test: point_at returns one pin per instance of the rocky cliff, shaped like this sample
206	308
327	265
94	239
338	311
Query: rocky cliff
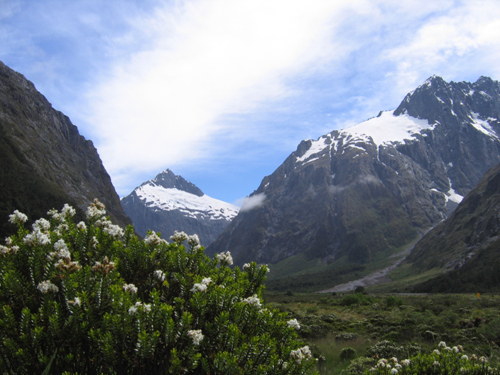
466	246
45	161
168	203
355	193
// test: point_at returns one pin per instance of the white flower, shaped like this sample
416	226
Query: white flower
54	214
437	352
442	344
196	335
61	249
225	258
95	210
133	309
8	241
153	239
293	323
394	359
253	300
46	286
266	267
482	359
179	237
81	226
199	287
436	363
455	349
206	280
4	249
464	357
146	307
36	238
193	240
68	211
77	302
18	218
94	242
114	230
131	288
405	362
159	274
246	266
42	225
301	354
394	371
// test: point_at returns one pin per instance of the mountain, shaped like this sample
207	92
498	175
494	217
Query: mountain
45	162
168	203
466	246
356	195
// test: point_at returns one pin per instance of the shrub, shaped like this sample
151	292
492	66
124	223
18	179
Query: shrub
443	360
346	354
90	298
392	301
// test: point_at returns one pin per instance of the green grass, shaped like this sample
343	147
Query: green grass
416	321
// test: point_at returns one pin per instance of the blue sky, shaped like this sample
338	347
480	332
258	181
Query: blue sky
222	91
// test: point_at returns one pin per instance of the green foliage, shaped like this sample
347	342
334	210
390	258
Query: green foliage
392	301
356	299
443	360
91	298
346	354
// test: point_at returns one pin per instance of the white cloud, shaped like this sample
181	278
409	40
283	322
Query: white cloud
252	202
209	59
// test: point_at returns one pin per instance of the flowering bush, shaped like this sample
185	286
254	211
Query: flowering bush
90	298
443	360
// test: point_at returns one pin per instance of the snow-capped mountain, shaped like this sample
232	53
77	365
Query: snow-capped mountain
355	193
169	202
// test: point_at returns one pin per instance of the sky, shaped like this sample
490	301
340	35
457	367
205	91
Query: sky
222	91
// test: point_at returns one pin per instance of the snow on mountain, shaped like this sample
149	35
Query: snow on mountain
168	203
170	199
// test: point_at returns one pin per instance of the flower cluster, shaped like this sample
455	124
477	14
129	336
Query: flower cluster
131	288
106	267
36	238
253	300
293	323
18	218
46	286
153	239
95	210
146	307
159	274
225	259
300	354
179	237
201	287
196	335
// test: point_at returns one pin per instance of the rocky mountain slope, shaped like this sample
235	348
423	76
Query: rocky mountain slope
355	194
45	162
466	245
169	202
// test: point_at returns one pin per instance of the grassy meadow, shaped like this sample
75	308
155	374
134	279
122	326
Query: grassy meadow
349	331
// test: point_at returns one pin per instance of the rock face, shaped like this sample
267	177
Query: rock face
45	162
466	245
354	193
168	203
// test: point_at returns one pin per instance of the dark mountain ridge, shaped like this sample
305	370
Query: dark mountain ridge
45	161
357	193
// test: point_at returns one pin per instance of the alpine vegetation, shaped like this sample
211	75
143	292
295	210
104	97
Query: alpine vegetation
91	298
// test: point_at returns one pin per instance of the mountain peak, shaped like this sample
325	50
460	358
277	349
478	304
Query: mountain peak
169	180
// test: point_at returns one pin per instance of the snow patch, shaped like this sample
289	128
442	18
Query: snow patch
483	126
194	206
388	129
